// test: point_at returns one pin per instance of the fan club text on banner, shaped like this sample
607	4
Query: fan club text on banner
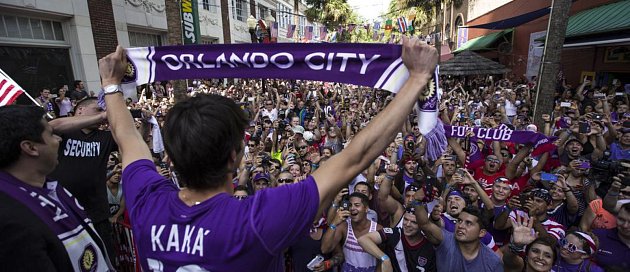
190	21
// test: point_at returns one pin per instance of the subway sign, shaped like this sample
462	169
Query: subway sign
190	21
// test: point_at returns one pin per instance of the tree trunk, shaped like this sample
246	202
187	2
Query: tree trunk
550	66
174	35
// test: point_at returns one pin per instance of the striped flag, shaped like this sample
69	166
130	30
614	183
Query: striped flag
333	37
9	90
351	27
309	33
323	32
290	31
402	24
274	30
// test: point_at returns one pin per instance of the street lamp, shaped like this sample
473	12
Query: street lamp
251	24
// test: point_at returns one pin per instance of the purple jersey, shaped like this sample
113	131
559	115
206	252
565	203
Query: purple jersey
219	234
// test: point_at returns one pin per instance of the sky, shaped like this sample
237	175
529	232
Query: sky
369	9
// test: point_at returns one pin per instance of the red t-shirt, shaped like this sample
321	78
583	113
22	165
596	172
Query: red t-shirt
487	181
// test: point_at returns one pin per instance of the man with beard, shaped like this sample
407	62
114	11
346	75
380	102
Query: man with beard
406	249
620	150
345	228
461	250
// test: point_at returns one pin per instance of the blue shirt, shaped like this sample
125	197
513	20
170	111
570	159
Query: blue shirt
618	153
612	252
449	257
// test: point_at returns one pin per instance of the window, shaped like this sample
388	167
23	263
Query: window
263	11
239	10
209	40
30	28
209	5
139	39
302	26
284	16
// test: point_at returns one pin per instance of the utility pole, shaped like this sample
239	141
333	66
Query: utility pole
550	65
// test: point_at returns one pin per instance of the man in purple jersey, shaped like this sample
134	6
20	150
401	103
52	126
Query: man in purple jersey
201	227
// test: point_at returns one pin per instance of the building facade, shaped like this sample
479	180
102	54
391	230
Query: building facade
46	44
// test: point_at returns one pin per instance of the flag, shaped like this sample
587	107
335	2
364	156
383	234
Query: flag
367	27
402	24
9	90
388	24
333	37
377	25
340	30
309	33
375	35
290	31
351	27
274	30
410	26
322	33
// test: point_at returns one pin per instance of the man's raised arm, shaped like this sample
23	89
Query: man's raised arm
132	147
420	59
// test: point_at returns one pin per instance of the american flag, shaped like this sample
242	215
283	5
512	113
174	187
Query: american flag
290	31
323	32
9	90
309	33
402	24
274	30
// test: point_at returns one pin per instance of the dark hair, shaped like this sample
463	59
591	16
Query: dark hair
200	134
362	183
241	188
364	199
482	215
84	102
547	242
18	123
624	207
77	83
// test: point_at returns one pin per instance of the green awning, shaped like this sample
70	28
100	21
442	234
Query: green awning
484	42
602	19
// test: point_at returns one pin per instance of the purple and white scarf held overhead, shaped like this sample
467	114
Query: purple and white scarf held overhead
373	65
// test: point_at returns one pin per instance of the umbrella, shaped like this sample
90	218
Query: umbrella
470	63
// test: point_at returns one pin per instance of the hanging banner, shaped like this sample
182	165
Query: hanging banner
190	21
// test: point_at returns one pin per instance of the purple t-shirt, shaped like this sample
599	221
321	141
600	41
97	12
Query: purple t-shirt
219	234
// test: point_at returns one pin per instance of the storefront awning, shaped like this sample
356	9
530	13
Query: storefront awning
603	25
486	42
514	21
602	19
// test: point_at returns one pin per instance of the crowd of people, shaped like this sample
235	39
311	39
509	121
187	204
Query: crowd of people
320	176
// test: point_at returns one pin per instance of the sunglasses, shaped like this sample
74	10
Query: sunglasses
564	243
251	145
286	180
240	197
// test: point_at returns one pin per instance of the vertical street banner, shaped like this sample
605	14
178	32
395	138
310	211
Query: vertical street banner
190	21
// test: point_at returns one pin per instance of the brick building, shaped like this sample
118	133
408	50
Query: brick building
597	43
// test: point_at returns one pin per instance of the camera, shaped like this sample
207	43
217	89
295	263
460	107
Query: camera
345	203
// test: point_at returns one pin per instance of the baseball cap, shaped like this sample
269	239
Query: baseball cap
298	129
308	136
260	176
532	127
